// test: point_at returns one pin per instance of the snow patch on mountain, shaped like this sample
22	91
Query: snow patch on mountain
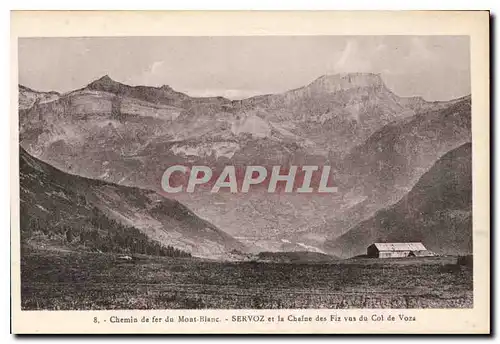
310	248
217	149
280	128
253	125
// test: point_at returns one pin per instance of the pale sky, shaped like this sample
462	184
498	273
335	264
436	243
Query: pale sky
434	67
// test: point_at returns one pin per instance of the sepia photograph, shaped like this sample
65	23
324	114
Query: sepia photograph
245	172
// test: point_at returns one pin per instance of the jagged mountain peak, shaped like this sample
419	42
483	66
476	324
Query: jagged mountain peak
105	77
166	88
352	75
104	80
343	81
148	93
25	88
106	83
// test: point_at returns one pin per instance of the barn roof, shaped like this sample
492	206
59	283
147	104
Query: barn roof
400	246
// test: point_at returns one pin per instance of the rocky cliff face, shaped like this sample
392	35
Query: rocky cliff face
341	82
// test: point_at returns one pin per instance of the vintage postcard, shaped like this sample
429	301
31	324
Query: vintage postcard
250	172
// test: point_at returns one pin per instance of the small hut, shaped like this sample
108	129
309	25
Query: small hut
397	250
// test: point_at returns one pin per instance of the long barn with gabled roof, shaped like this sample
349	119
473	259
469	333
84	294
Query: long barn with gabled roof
397	250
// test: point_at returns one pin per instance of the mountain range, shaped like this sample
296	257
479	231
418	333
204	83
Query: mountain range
378	144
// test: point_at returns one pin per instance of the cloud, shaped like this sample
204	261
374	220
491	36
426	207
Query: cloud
153	74
419	50
156	66
353	59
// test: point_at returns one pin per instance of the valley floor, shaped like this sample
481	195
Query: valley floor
64	280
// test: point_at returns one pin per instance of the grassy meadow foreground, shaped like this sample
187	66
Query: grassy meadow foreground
65	280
